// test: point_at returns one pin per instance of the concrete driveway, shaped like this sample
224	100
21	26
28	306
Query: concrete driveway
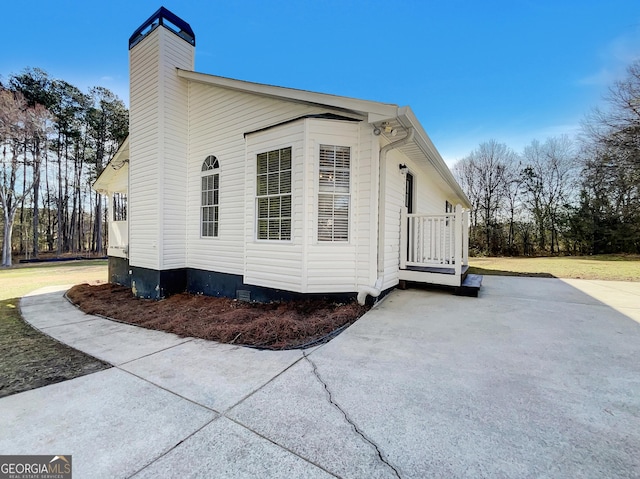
535	378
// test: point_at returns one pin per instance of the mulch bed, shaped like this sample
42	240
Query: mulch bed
282	325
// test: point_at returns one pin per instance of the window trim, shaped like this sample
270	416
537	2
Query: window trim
210	167
331	141
257	197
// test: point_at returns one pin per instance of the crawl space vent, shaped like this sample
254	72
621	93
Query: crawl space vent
243	295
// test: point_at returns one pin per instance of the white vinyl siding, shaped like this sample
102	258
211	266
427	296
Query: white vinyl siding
429	198
340	266
158	150
316	237
221	120
218	120
273	195
334	179
268	263
144	173
178	53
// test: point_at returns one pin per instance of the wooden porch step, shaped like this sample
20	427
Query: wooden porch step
433	277
437	269
470	286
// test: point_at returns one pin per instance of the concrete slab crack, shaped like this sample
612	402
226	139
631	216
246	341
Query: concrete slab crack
348	419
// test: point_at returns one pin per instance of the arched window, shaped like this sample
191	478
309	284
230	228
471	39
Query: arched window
210	163
209	212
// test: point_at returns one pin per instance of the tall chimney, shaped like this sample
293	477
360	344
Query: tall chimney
158	139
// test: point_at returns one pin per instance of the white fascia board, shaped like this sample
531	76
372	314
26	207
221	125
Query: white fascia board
102	183
409	119
375	110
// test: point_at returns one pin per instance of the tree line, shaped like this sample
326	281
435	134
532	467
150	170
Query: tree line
562	196
54	142
559	195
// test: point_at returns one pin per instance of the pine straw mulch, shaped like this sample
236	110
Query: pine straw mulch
283	325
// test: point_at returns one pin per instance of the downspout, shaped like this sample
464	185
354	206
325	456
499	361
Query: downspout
375	290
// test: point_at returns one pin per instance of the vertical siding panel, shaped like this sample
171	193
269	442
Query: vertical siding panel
218	120
177	53
368	207
158	150
275	264
429	199
394	201
333	267
143	190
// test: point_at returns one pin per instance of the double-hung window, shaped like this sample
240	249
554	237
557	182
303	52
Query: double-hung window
273	195
210	189
334	193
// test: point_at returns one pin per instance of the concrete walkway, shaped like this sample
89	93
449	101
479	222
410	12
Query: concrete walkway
535	378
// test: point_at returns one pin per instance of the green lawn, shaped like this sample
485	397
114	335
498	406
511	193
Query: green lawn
607	267
21	279
28	358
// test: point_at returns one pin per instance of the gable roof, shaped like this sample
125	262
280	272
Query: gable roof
420	146
373	111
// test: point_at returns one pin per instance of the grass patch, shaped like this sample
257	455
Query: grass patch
28	358
21	279
602	267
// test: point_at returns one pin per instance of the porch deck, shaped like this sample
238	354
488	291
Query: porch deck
436	250
436	269
445	276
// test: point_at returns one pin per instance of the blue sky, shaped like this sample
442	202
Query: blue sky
472	71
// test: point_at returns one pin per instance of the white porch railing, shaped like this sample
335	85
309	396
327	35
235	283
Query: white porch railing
435	240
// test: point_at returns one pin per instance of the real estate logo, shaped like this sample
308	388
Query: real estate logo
35	467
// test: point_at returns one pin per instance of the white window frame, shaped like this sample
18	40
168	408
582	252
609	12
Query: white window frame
210	168
262	194
334	193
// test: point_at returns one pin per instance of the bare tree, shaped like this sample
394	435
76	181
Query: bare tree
611	167
533	158
108	122
548	185
465	172
482	174
50	163
19	125
512	203
559	182
39	120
